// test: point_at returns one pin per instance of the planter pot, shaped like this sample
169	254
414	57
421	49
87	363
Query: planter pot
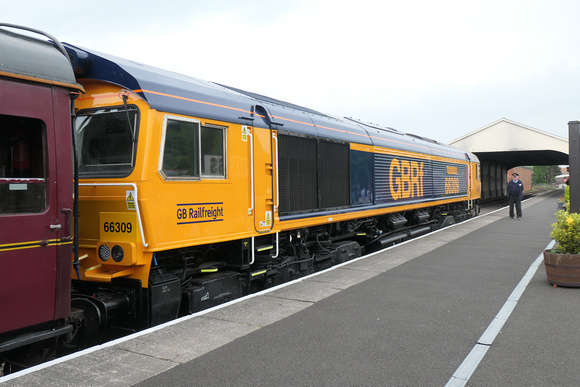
562	269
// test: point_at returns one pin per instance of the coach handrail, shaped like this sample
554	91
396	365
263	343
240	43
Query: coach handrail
134	186
55	41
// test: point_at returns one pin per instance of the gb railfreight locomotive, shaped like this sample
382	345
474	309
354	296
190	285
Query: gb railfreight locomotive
193	193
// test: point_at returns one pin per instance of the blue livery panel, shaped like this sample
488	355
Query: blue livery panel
400	179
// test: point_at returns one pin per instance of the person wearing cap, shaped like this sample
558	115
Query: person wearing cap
515	193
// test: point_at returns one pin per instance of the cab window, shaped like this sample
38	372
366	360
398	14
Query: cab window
22	165
106	140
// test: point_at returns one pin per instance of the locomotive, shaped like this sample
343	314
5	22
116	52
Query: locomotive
193	193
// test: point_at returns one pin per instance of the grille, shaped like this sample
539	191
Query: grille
334	174
297	169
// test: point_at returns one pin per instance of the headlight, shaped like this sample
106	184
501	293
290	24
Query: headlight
118	253
104	252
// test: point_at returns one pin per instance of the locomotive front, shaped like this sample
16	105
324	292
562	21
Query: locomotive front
156	184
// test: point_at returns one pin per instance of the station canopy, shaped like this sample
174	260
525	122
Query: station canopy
513	144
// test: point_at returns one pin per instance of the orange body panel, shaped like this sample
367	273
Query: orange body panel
172	213
145	212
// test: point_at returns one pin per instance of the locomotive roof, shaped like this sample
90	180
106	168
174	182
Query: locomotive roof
175	93
29	58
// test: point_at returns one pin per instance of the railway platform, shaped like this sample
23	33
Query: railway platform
468	305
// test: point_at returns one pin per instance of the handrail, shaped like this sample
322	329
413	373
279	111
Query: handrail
277	247
69	214
58	45
251	209
253	252
136	202
277	204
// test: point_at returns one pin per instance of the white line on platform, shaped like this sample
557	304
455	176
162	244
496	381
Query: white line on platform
470	363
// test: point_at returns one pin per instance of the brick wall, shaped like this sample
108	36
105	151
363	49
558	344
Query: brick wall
525	176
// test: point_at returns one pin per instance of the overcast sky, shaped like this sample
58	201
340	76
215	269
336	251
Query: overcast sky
439	69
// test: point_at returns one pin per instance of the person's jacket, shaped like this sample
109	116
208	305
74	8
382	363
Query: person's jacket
515	188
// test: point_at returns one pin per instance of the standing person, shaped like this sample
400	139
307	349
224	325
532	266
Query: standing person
515	193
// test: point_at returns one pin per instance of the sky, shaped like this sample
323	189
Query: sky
439	69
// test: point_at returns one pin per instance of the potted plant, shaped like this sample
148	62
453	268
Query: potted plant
561	203
562	263
564	201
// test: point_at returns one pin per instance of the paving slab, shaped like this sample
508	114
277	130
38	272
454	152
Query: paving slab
187	340
109	366
259	311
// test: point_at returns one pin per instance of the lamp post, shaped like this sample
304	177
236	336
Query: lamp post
574	163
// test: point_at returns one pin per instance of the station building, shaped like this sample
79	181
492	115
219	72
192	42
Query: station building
505	144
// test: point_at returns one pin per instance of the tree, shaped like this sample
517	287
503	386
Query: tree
545	174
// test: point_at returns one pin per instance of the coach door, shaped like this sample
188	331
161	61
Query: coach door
35	216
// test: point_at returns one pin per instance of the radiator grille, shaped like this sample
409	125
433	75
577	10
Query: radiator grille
334	174
297	169
313	174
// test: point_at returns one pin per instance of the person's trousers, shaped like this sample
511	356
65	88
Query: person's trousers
515	200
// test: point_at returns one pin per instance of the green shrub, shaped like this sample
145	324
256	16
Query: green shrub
566	233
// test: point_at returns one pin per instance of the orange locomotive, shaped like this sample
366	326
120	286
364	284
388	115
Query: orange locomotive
193	193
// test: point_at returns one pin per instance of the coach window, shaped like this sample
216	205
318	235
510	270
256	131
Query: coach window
22	165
